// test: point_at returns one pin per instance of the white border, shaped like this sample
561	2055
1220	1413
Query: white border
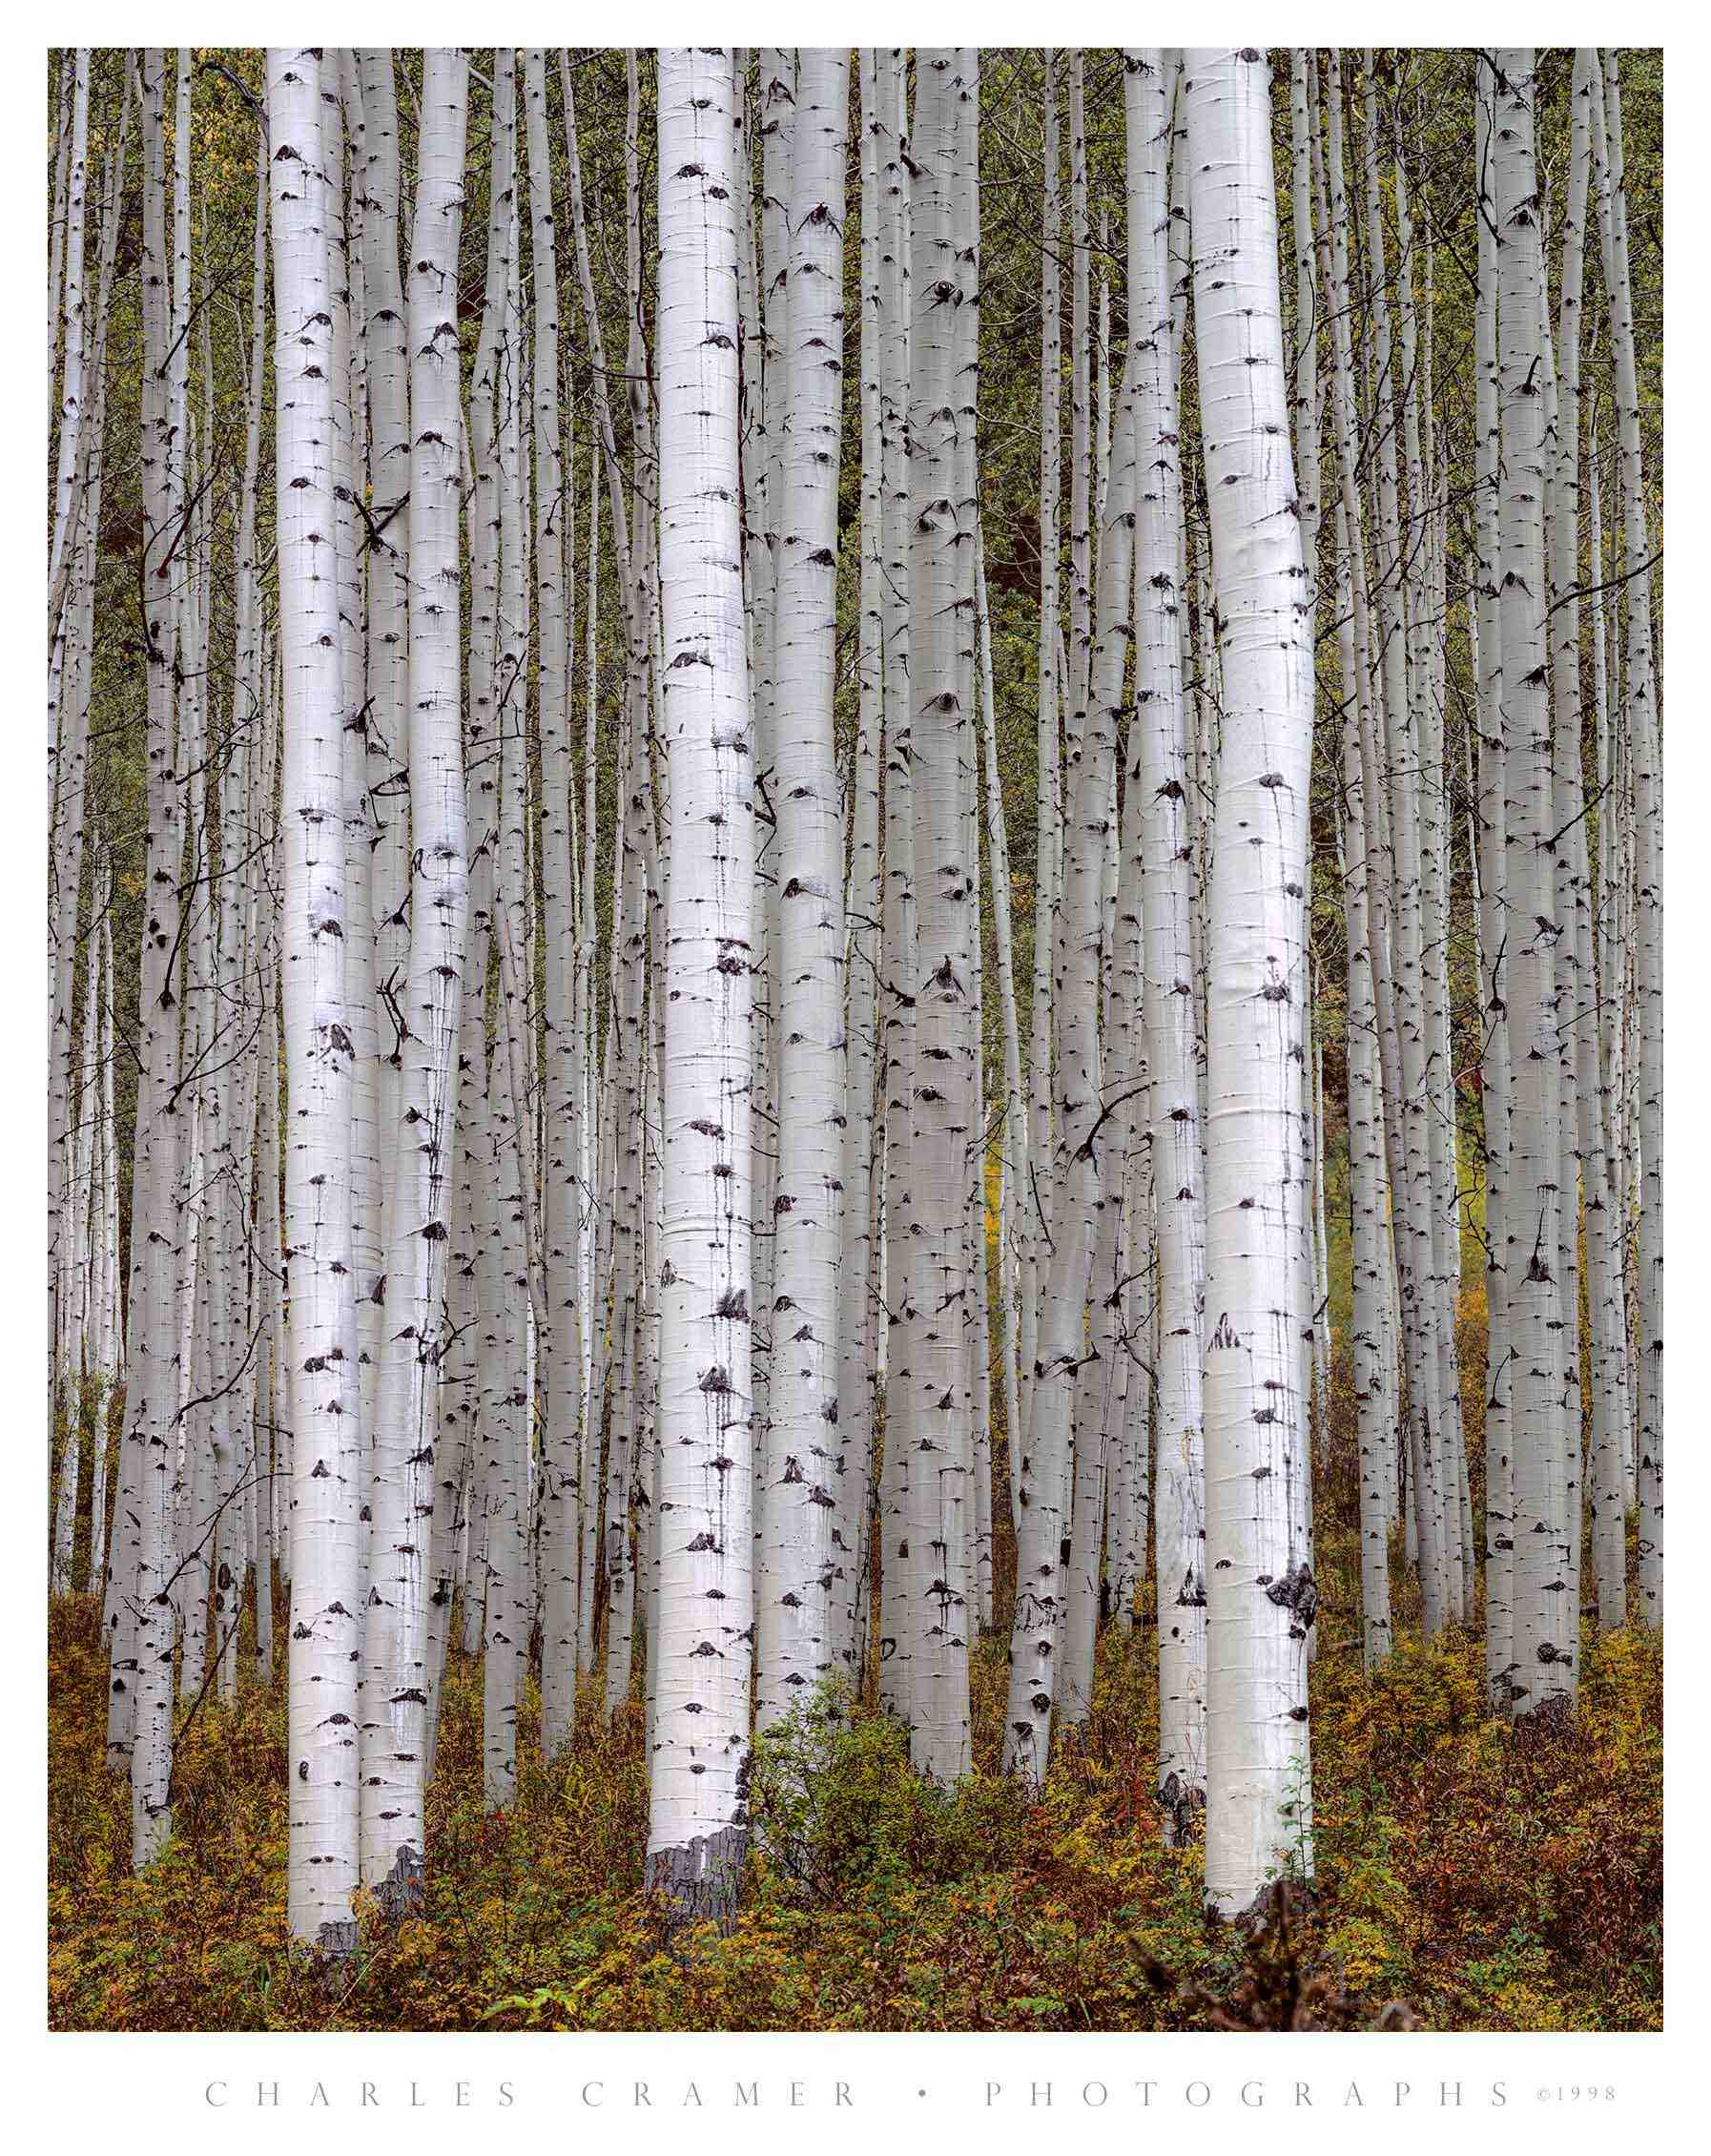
80	2092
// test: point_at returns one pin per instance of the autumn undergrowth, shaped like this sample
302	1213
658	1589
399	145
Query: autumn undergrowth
1466	1878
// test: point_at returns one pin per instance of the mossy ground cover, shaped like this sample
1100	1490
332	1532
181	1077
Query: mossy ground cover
1467	1877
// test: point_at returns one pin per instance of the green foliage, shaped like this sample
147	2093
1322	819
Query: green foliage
1488	1881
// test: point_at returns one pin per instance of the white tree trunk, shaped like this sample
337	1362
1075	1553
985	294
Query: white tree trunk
1540	1522
408	1431
806	1495
698	1822
326	1550
1260	1590
1161	776
1646	747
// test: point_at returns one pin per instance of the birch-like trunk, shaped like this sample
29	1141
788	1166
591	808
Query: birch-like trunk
1161	776
1542	1656
1646	748
1260	1589
806	1498
857	1379
1494	941
326	1550
698	1821
397	1675
140	1610
1081	1108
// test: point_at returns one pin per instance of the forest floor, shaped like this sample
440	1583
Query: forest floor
1466	1878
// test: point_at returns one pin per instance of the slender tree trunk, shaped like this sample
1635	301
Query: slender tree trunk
1644	736
1160	776
805	1500
698	1823
1544	1655
397	1684
1261	1593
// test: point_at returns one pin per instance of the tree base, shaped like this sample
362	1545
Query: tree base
401	1891
699	1880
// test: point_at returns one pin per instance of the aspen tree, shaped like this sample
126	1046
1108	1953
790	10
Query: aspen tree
1542	1657
1374	1368
65	1507
697	1827
804	1499
318	1050
66	740
109	1354
73	311
1494	940
1426	768
367	1225
140	1613
1640	696
56	224
779	136
1565	790
1098	1404
1606	1330
554	538
1081	626
1079	1108
386	355
1014	1155
899	923
931	1369
1260	1595
1159	778
1396	723
507	1394
1048	818
857	1379
408	1432
587	1034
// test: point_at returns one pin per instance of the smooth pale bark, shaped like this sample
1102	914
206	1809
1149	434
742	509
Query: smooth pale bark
140	1611
327	1549
1581	1023
1081	626
698	1818
858	1376
931	1367
588	1042
507	1396
72	309
1014	1143
1049	808
396	1685
1544	1655
897	924
777	80
1492	804
1100	1375
387	366
1082	1105
1645	743
68	721
1371	1348
805	1489
1160	775
1612	1458
1420	775
1260	1589
109	1308
347	298
1397	726
561	1200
